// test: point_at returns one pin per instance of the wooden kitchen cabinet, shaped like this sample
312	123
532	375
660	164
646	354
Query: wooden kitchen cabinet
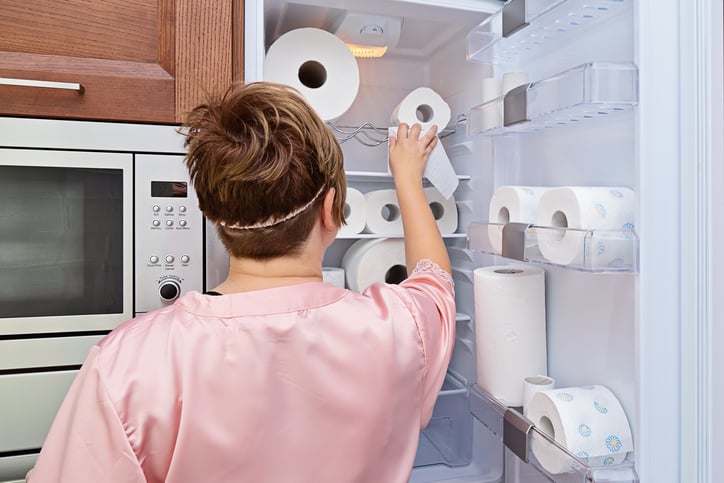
136	60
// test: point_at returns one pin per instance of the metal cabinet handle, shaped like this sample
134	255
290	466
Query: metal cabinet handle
43	84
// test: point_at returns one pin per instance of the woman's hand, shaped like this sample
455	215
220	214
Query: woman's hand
409	152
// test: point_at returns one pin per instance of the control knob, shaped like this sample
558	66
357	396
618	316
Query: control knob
169	290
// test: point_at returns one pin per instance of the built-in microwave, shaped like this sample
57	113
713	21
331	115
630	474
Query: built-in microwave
98	222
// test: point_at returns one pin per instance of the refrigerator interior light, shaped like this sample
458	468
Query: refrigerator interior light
367	35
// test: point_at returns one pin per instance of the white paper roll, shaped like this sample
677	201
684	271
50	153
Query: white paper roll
492	115
319	65
534	384
426	107
333	275
511	80
355	212
444	210
510	328
586	208
378	260
588	421
423	106
383	215
512	204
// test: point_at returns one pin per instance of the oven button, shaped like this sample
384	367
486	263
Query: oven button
169	208
169	290
169	258
156	208
169	222
182	222
156	223
182	209
153	259
185	259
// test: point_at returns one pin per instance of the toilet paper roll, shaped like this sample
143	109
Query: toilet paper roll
511	80
512	204
370	261
588	421
534	384
587	208
510	328
355	212
492	114
383	215
319	65
423	106
444	210
426	107
333	275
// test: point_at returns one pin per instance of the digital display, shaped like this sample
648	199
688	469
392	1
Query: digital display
169	189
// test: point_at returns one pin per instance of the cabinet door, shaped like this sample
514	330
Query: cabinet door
136	60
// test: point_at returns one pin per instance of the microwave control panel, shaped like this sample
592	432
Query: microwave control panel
169	231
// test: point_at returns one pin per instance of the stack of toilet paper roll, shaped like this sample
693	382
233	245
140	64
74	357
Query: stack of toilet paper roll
588	421
426	107
510	329
570	211
319	65
383	212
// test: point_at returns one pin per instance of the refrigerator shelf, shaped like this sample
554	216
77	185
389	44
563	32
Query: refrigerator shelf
372	136
599	251
447	439
523	29
381	176
585	92
525	439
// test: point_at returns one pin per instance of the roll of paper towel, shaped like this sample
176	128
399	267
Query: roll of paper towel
319	65
492	114
588	421
383	215
333	275
444	210
510	328
355	212
587	208
512	204
370	261
426	107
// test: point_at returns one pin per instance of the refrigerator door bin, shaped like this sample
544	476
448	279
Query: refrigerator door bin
523	29
600	251
588	91
447	439
496	417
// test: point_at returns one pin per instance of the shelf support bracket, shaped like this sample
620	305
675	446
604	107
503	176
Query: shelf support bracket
514	17
514	240
515	106
515	433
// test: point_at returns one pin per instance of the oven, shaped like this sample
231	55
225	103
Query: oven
95	228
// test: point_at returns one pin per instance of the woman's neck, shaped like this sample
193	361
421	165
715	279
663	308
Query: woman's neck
247	274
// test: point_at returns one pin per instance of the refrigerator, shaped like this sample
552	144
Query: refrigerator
615	93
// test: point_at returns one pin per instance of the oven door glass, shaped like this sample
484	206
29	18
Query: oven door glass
63	251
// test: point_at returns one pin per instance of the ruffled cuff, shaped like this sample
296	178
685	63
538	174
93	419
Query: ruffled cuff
426	265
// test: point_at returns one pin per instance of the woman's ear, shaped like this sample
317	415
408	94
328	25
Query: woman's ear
328	220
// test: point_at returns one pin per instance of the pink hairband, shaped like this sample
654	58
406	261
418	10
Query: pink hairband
271	221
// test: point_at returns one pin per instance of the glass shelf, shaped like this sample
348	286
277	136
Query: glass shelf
536	26
588	91
350	236
496	417
381	176
601	251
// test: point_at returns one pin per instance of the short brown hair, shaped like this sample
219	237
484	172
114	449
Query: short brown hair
257	152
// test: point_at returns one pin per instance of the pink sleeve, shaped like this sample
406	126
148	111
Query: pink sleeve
87	441
432	293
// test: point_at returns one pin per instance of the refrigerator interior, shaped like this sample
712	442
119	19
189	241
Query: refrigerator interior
590	314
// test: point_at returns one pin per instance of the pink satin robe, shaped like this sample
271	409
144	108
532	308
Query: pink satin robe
305	383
